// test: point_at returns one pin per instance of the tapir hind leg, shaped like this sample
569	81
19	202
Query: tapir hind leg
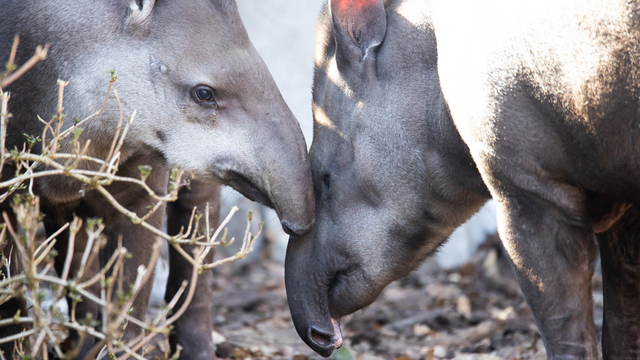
553	257
620	254
193	329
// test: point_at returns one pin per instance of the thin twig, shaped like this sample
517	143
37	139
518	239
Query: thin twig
41	54
12	321
115	138
88	249
183	308
73	230
17	336
52	237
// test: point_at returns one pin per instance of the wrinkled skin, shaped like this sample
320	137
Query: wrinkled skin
539	101
243	136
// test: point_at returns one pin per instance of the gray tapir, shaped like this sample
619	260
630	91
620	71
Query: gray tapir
205	103
535	104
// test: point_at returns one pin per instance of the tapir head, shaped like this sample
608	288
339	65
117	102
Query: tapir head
382	160
205	100
228	120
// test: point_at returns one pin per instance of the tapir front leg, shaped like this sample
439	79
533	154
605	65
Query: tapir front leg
193	329
553	257
86	309
136	239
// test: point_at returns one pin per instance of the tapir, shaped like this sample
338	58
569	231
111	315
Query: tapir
423	110
205	103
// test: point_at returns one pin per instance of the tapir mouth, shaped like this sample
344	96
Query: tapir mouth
247	188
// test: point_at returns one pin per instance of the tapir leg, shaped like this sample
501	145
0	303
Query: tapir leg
193	329
620	254
553	257
136	239
138	242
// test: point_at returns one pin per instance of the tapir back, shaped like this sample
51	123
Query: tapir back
565	71
79	33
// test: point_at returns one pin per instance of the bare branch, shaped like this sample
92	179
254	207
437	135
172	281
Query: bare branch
41	54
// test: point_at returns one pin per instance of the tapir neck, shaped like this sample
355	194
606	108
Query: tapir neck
460	169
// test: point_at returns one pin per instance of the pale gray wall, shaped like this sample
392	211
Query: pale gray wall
283	32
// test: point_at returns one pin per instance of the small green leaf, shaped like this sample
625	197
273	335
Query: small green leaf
112	73
10	67
76	134
174	174
145	170
16	317
41	295
32	140
92	223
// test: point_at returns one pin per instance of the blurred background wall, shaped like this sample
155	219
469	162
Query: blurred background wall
283	33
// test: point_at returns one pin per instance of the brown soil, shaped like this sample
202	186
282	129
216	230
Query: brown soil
473	312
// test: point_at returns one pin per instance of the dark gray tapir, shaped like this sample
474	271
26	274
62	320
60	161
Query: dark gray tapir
205	101
533	103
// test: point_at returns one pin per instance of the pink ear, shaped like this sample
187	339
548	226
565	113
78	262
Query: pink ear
345	6
363	21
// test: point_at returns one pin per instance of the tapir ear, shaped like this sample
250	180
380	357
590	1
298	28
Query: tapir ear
139	10
362	23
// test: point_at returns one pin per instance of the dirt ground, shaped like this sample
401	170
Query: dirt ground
475	311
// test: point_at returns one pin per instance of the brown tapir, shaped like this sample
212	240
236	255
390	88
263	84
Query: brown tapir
425	109
205	103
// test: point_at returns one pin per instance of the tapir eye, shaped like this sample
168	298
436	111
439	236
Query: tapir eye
204	95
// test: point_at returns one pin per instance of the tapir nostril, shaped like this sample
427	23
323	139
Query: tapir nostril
294	230
321	338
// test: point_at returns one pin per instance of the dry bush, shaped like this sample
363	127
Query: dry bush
47	328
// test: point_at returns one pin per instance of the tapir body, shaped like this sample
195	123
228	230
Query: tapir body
423	110
205	103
